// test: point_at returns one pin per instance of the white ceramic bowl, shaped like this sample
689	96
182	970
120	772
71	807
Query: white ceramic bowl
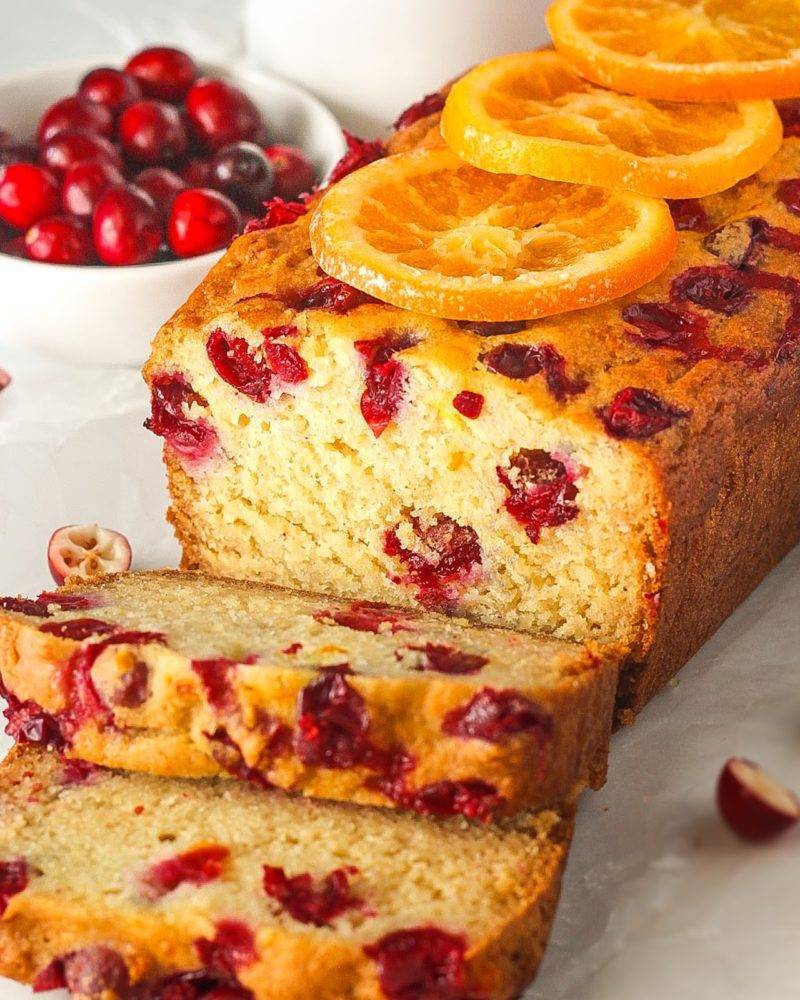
108	315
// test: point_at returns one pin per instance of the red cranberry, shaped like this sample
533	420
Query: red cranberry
422	963
367	616
171	395
232	946
216	677
244	174
359	153
294	173
13	879
18	152
721	289
16	248
198	866
636	414
197	173
112	88
542	491
307	904
333	722
469	404
27	722
229	757
78	628
87	551
24	606
449	555
96	971
134	686
788	193
162	185
331	294
430	104
385	379
126	227
68	148
523	361
688	214
445	659
5	379
72	114
163	73
152	132
202	221
85	182
660	325
221	114
754	805
60	239
27	193
495	716
278	213
789	110
503	329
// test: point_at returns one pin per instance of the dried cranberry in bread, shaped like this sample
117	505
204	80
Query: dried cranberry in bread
128	886
180	674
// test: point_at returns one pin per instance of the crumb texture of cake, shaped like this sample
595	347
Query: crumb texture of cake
185	675
128	886
626	473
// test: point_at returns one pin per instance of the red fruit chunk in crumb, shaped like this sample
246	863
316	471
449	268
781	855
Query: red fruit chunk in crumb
470	797
367	616
78	628
448	554
87	551
13	879
523	361
660	325
278	213
445	659
495	716
500	329
359	153
88	972
542	491
469	404
636	414
789	110
134	686
197	866
385	378
430	104
722	289
236	363
27	722
422	963
227	754
232	947
70	601
754	805
215	675
171	396
333	722
788	193
309	905
79	772
689	214
25	606
331	294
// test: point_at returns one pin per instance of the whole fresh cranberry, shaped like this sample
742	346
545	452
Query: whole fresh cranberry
126	226
60	239
72	114
27	193
111	88
221	114
18	152
294	174
243	172
84	184
16	248
197	172
201	221
162	185
163	73
152	132
68	148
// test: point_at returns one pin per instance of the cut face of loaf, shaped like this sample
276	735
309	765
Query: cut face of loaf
625	473
184	675
124	885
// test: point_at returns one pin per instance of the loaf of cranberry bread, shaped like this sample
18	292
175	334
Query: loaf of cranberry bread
124	885
626	473
183	675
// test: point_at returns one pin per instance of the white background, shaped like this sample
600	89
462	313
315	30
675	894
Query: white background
660	901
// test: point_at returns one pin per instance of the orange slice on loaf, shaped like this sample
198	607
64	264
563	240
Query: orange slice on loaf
683	50
531	113
427	232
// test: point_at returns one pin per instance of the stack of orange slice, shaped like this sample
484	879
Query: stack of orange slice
549	198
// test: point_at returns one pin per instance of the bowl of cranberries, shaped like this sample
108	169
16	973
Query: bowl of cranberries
122	182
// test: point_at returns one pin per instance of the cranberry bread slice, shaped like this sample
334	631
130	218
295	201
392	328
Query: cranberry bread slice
626	473
125	884
181	674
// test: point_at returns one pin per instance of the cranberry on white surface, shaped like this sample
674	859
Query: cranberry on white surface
754	805
86	551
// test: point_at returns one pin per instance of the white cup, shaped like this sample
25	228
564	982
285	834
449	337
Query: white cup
369	59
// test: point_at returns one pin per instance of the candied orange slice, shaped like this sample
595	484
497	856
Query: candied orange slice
683	50
427	232
531	113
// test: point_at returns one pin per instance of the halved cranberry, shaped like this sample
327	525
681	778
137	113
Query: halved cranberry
78	628
163	72
333	722
255	376
243	172
523	361
788	192
14	877
721	289
202	221
51	977
198	866
495	716
27	193
689	214
85	183
293	172
68	148
152	132
126	226
331	294
541	490
359	153
76	113
367	616
430	104
60	239
309	904
171	396
469	404
162	185
444	659
232	946
110	87
278	213
637	413
87	550
222	114
754	805
421	963
500	329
